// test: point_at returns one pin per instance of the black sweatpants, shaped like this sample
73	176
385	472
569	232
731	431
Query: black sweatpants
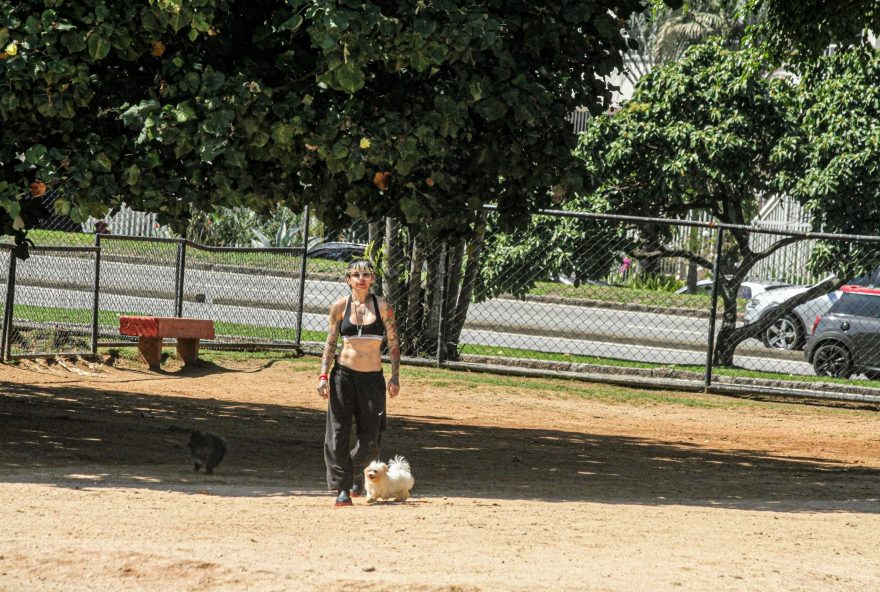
359	396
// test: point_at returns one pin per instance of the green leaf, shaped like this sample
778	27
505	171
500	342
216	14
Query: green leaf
291	24
74	41
412	210
102	163
355	172
340	150
350	77
420	61
282	134
183	112
98	47
153	20
200	23
235	159
79	214
62	207
491	109
36	155
132	175
212	81
178	20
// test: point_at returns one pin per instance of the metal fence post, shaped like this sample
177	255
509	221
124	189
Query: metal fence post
179	278
713	310
8	309
441	280
302	277
95	294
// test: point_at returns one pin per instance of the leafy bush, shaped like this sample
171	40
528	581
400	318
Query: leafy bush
240	227
550	247
655	283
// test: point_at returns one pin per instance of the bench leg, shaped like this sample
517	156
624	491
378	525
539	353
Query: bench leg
150	349
188	350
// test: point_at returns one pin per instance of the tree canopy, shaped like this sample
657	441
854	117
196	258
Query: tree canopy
835	157
799	30
697	134
710	132
417	110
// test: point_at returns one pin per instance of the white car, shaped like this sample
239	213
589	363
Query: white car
792	330
747	289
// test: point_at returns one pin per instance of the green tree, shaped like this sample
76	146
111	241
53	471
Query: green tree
664	34
548	248
834	160
416	110
413	111
701	134
802	30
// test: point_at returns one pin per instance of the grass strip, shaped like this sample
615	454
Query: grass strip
111	319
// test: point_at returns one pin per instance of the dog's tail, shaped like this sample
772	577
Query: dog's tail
399	463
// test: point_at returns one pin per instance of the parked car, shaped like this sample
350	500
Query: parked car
790	331
337	251
748	289
846	339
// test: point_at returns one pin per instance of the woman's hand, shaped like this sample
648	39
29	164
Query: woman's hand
324	388
393	387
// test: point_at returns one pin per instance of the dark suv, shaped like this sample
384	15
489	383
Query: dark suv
846	339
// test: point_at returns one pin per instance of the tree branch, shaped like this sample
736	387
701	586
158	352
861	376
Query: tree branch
663	252
789	240
784	309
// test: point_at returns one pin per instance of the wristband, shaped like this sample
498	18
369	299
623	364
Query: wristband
322	377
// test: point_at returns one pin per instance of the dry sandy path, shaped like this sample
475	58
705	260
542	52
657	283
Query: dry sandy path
520	485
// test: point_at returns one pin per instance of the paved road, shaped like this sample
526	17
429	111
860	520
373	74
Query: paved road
279	325
559	320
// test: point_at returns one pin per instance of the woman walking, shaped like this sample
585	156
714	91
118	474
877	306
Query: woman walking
355	387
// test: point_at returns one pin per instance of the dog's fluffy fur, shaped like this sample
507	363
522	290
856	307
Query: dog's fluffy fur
390	481
207	450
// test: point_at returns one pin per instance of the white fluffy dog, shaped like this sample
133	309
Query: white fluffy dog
390	481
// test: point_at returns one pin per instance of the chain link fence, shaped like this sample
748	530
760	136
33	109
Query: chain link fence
8	291
252	295
50	302
610	296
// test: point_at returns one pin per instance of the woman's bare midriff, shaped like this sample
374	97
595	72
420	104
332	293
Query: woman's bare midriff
361	355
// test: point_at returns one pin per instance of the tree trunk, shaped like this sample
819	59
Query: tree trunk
453	290
724	344
393	265
374	230
650	266
472	268
434	297
692	277
692	268
413	321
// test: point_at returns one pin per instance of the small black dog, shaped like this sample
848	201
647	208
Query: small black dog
207	450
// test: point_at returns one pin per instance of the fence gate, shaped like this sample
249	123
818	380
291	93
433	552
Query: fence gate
50	298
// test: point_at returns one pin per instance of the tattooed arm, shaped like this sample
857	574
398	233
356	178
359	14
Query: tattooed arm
336	311
387	312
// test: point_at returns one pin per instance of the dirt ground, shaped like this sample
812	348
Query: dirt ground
521	484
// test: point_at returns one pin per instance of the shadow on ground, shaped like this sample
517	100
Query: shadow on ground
72	436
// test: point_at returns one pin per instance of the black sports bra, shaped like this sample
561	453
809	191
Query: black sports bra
374	330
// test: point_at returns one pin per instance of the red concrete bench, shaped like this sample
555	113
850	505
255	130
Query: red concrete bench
151	330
